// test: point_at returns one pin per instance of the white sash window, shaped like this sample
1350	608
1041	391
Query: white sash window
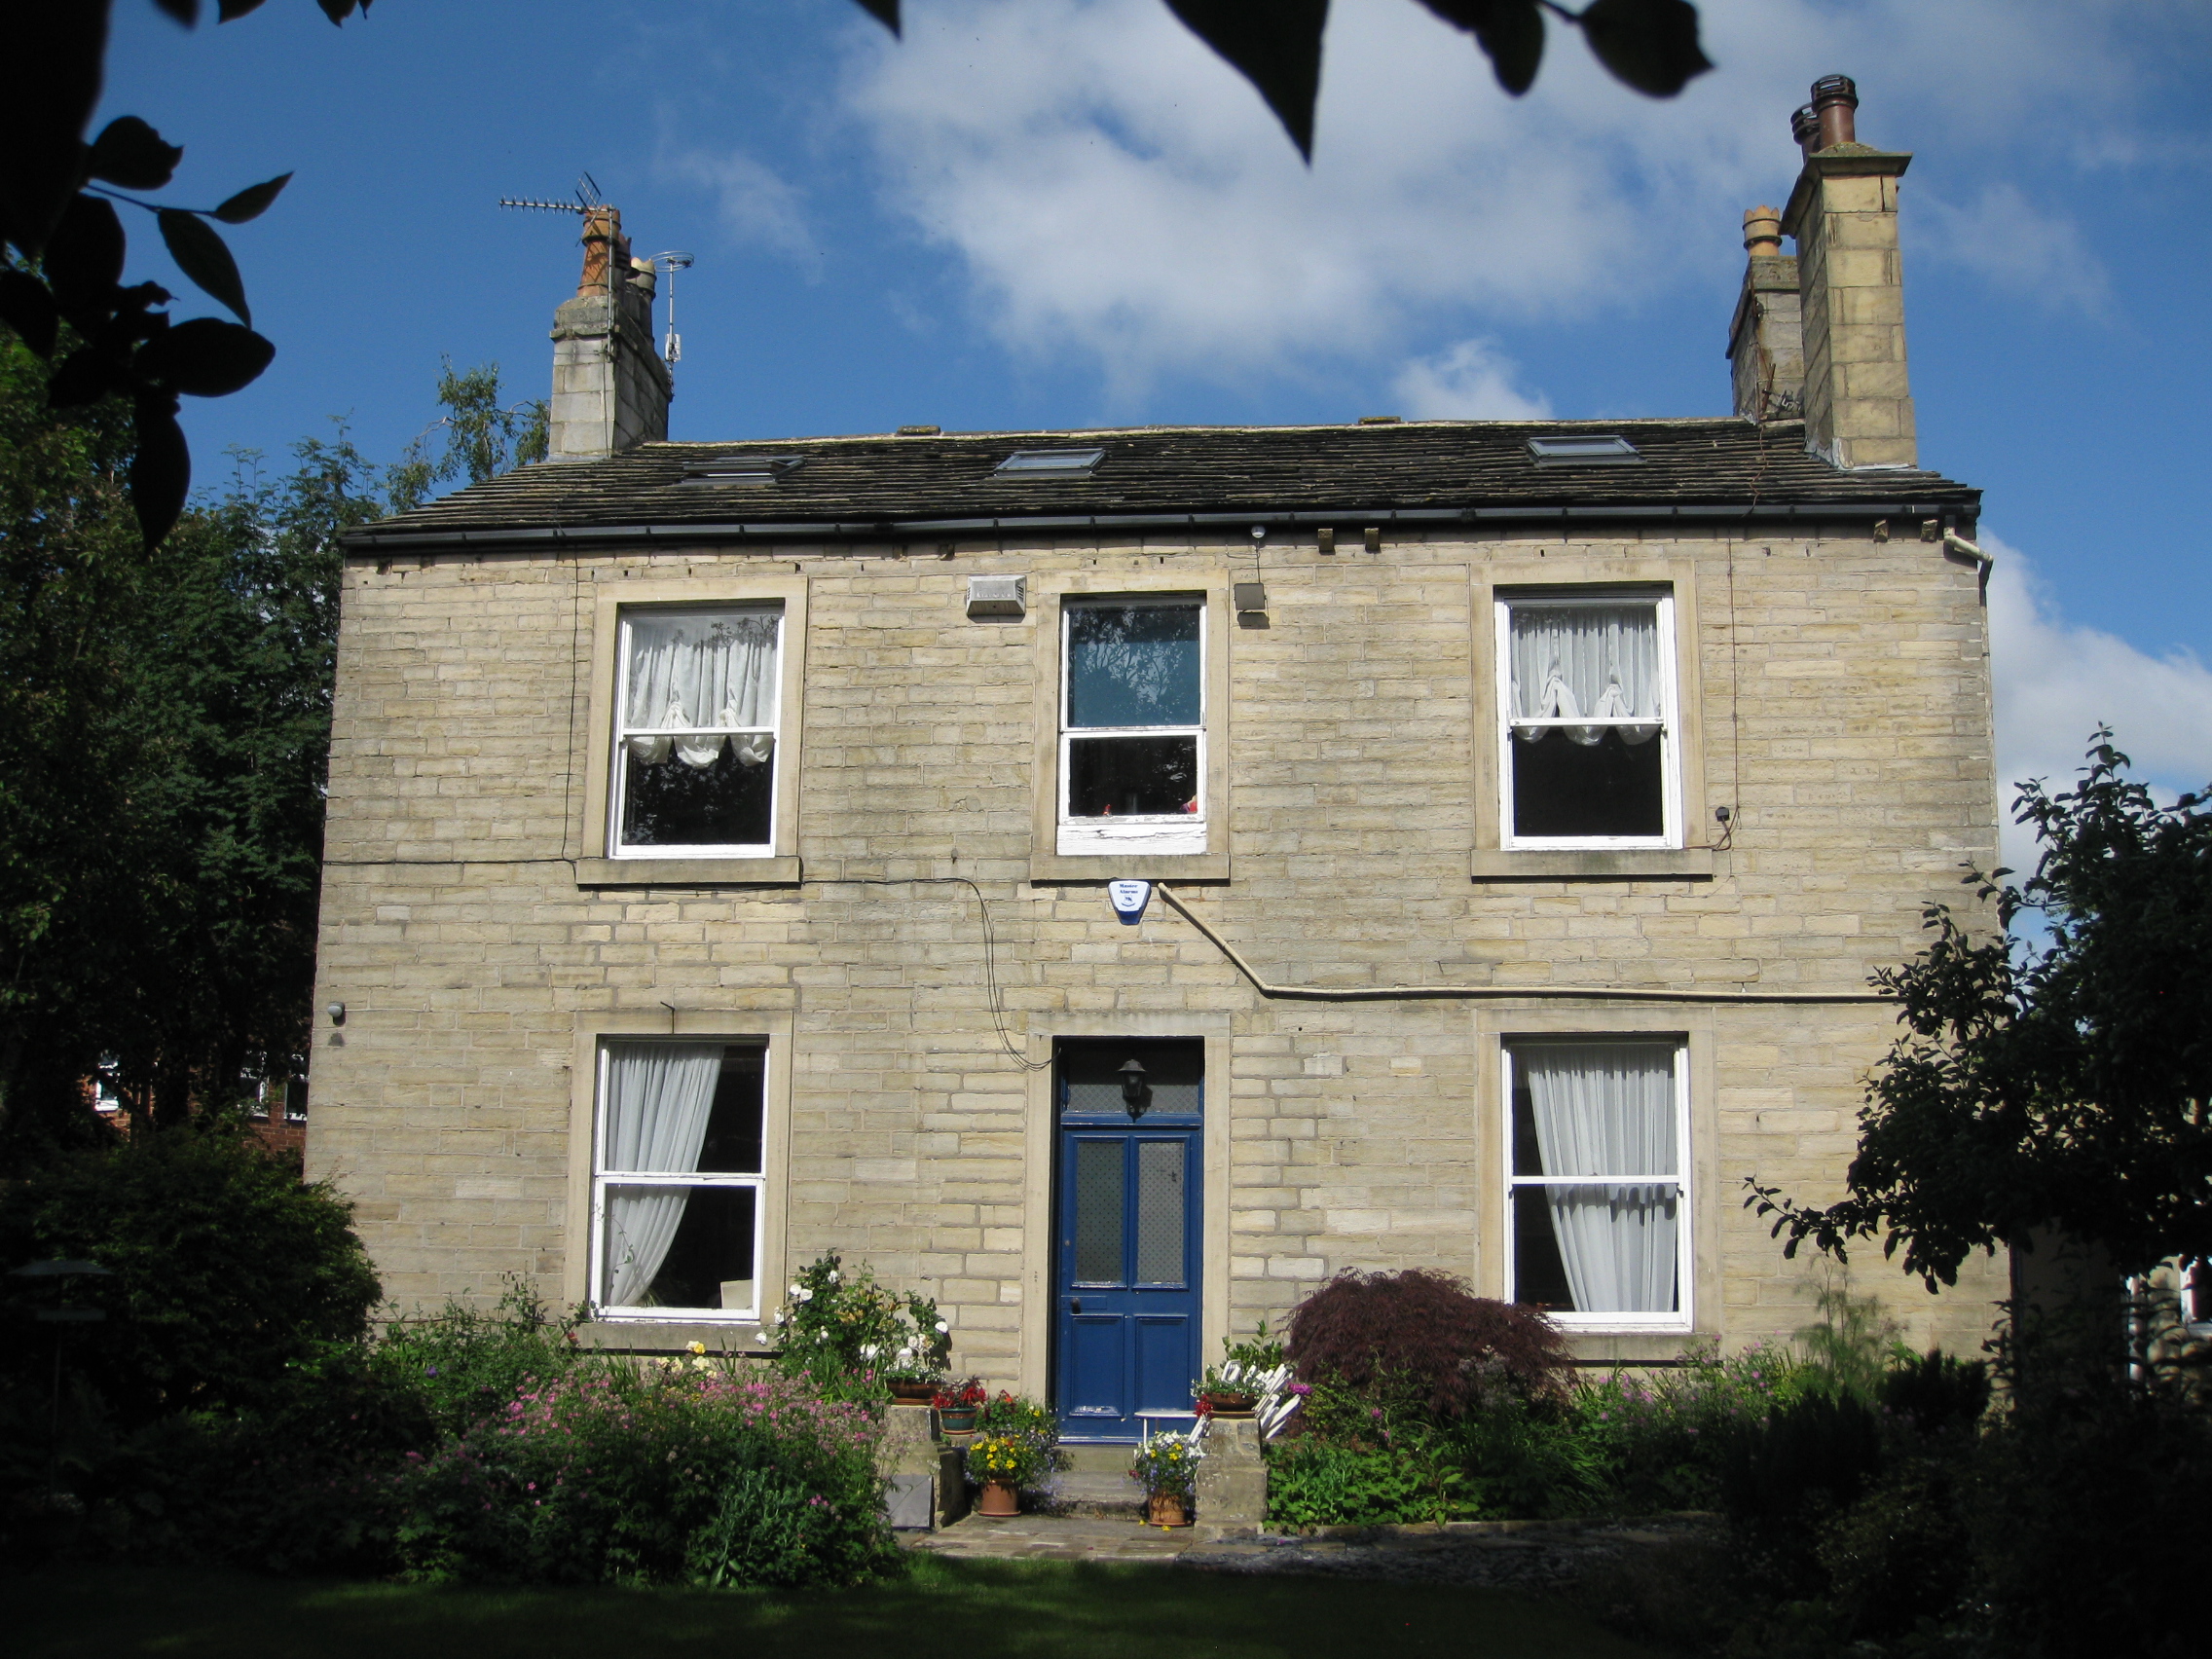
1132	726
696	752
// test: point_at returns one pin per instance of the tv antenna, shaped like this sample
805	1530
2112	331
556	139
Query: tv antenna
666	266
588	196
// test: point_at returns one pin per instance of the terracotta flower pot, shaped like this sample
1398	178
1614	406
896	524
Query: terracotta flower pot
998	1501
1166	1509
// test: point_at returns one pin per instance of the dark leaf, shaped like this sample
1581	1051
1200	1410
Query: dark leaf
56	48
29	310
337	11
230	11
1277	45
130	153
161	472
185	12
1650	44
252	201
884	11
201	254
85	259
205	357
86	376
1510	31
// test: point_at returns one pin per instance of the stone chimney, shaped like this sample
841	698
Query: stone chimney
610	392
1843	214
1767	342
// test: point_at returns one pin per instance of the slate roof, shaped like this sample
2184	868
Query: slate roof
873	487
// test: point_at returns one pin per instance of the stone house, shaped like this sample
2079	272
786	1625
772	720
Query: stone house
1510	816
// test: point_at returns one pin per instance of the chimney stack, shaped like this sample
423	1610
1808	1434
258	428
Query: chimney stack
610	392
1843	214
1767	342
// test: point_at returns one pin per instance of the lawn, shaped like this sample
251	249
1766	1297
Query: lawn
943	1610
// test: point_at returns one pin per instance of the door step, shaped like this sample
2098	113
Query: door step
1100	1494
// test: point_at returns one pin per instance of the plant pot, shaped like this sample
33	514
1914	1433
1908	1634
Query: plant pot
1166	1509
998	1501
1229	1405
956	1419
913	1393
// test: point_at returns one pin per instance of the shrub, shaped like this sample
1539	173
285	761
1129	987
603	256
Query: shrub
227	1267
1664	1431
1311	1483
683	1476
1426	1334
849	1334
1786	1477
464	1365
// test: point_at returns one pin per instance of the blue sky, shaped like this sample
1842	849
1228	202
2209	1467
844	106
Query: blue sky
1068	213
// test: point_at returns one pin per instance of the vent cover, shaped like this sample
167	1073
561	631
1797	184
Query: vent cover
998	595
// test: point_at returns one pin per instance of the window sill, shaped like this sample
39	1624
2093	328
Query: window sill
1629	1348
1631	863
1109	865
688	872
734	1336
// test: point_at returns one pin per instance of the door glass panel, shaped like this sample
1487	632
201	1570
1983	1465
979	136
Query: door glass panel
1159	1212
1098	1185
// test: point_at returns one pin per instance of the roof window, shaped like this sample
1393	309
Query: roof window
1587	449
1051	464
748	469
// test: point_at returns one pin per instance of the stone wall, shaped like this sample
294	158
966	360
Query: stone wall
1842	710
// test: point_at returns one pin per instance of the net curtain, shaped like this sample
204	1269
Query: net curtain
1608	1109
687	671
1599	661
658	1099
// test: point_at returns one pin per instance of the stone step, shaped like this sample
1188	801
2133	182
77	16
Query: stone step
1097	1493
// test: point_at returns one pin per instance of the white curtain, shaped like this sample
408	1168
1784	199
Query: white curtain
1600	660
1607	1109
691	670
658	1098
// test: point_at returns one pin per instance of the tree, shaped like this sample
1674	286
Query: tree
482	439
2063	1088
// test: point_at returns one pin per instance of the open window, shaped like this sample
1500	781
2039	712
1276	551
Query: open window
1588	729
1132	740
696	766
678	1180
1597	1132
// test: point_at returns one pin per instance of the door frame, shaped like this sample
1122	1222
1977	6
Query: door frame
1040	1156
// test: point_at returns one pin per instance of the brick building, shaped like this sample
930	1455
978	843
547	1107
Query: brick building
719	843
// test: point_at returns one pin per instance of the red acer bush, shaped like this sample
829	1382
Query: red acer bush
1426	1332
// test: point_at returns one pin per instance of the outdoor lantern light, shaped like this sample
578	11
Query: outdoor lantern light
1134	1091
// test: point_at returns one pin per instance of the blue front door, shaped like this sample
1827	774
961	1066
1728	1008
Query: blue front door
1125	1324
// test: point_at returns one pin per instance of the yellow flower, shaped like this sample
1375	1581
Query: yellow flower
698	1347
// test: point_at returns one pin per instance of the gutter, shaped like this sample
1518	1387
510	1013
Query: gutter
370	541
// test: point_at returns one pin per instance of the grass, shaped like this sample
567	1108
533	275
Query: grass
944	1609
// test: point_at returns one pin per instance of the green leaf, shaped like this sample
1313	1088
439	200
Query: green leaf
1511	32
1652	44
130	153
884	11
201	254
29	310
161	472
1275	45
84	261
43	115
205	357
252	201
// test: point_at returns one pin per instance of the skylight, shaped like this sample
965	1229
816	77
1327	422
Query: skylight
748	469
1591	449
1051	464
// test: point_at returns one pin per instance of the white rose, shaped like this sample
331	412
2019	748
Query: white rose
761	1337
832	1275
943	1329
794	1290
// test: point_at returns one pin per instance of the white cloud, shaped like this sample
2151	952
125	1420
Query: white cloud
757	207
1471	381
1115	190
2056	682
2013	245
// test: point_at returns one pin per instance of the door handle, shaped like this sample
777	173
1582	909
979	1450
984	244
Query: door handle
1075	1305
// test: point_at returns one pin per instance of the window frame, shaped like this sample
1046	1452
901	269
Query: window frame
1687	1254
593	825
1162	833
1507	721
1146	577
601	1178
619	772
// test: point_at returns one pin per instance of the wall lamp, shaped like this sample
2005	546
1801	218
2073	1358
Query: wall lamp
1136	1093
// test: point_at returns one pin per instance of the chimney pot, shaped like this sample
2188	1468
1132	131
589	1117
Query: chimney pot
1834	99
1805	127
610	391
1762	231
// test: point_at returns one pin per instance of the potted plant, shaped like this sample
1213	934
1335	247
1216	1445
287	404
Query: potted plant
1167	1466
1003	1465
957	1404
1250	1373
